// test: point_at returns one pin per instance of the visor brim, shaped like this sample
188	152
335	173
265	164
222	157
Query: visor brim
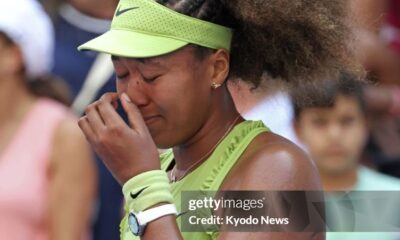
132	44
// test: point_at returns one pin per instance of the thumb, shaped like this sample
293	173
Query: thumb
135	117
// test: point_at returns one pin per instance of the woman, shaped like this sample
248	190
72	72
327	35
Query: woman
47	176
171	73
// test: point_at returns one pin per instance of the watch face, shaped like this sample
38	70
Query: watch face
133	224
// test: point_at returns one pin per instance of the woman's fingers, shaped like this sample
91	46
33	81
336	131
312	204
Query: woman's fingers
110	97
86	129
106	107
93	116
134	115
119	145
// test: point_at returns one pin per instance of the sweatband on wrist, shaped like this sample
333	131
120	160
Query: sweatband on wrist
146	190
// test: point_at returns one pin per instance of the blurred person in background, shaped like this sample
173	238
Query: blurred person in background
383	101
77	21
377	27
332	124
47	176
378	42
378	49
89	75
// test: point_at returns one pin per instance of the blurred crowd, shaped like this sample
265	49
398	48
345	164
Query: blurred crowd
52	183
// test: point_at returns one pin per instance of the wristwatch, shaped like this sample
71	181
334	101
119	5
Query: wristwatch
138	221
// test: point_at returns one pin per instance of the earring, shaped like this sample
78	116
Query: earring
215	85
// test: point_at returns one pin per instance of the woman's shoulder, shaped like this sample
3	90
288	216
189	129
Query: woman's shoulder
65	120
68	136
272	162
51	105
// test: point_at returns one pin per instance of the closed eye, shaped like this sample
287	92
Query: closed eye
150	79
122	76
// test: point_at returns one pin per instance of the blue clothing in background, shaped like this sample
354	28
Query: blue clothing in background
73	66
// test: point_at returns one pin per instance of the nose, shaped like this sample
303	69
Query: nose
136	91
335	132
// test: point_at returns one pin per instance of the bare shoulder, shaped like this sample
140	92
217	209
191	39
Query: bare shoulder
68	128
69	142
272	162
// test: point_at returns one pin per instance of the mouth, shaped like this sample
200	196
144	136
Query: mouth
151	119
336	152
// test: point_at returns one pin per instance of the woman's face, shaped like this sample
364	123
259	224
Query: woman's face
3	48
336	136
172	92
11	61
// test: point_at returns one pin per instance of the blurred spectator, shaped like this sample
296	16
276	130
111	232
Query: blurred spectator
377	43
51	7
89	75
47	176
378	49
332	123
390	31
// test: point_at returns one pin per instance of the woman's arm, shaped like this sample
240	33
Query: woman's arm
272	163
72	183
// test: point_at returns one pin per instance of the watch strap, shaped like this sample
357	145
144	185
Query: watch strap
152	214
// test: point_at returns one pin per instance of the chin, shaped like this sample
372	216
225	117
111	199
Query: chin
336	170
162	142
163	146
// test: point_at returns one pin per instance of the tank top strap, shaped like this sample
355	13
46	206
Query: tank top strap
228	153
166	159
209	175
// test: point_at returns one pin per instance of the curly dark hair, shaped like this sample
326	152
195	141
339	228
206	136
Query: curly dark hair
323	94
293	40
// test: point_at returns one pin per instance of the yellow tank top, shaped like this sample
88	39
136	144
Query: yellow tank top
210	174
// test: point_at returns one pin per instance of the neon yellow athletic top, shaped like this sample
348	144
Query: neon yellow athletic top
210	174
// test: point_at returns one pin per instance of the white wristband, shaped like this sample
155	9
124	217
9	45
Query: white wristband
152	214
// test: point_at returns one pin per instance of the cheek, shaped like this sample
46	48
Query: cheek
311	135
182	119
356	139
172	99
184	106
314	140
120	86
185	93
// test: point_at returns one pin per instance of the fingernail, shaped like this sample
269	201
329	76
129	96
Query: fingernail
125	97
